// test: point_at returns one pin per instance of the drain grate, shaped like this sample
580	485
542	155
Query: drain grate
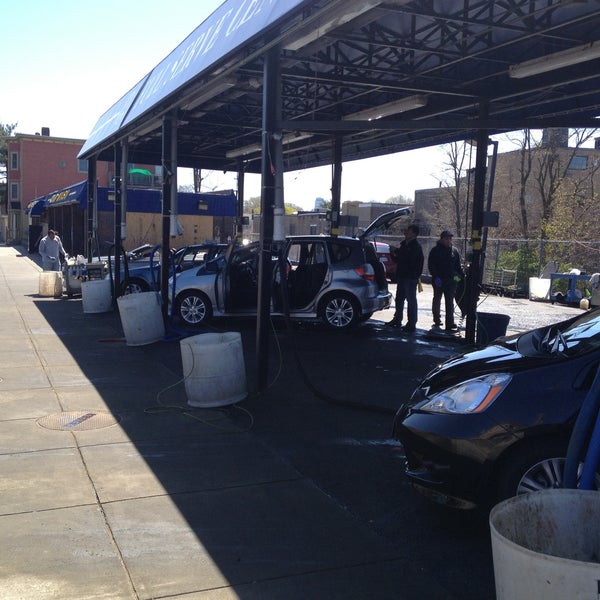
78	420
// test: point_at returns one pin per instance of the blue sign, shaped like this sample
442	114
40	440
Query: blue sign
74	194
112	119
227	29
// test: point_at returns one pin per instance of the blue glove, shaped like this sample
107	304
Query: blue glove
437	282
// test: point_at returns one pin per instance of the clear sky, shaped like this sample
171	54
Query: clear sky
66	62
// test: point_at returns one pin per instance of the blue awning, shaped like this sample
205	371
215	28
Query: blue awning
74	194
36	207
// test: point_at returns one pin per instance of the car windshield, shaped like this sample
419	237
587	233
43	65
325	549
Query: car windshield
571	338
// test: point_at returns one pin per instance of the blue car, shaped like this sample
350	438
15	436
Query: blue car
142	272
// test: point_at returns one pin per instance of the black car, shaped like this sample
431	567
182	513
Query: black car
496	422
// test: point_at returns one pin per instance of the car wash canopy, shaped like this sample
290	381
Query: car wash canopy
381	76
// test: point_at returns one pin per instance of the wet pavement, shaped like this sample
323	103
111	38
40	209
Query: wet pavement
113	486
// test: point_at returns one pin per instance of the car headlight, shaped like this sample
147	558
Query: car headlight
467	397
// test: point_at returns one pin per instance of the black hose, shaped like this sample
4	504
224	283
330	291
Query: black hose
282	266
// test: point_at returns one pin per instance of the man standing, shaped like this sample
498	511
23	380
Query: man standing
409	260
50	249
446	271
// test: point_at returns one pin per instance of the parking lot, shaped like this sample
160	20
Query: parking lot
295	493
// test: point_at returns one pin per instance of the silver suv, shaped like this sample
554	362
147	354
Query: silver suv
336	280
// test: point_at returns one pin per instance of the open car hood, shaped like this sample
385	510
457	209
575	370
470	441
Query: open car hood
383	222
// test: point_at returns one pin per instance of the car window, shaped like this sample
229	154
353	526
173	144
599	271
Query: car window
194	258
339	252
248	255
304	253
319	256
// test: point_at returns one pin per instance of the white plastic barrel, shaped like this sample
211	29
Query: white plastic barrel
539	289
547	545
96	296
214	369
51	284
141	318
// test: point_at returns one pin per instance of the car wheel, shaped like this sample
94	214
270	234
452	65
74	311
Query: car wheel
194	308
134	286
339	311
535	468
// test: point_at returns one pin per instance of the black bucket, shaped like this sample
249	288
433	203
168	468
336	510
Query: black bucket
490	326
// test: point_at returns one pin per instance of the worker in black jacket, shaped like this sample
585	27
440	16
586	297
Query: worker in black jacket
446	271
409	266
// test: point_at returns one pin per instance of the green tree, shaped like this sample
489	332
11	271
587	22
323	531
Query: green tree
252	206
291	209
399	199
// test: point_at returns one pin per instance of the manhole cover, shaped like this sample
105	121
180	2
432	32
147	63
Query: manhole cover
78	420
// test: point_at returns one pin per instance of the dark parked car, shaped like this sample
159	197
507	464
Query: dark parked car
496	422
383	254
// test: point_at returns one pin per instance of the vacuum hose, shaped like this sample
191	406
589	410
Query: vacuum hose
283	279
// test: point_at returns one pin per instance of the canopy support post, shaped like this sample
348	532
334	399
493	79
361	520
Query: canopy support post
474	279
167	168
271	147
117	222
92	208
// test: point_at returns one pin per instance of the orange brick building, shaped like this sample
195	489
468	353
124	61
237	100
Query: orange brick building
39	165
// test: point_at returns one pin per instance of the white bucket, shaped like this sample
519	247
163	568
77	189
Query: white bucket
547	545
51	284
141	318
96	296
214	369
539	289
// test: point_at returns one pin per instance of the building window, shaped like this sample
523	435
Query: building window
14	191
578	163
14	161
82	165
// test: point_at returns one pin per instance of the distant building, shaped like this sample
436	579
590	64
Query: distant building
514	193
47	187
37	164
366	212
354	216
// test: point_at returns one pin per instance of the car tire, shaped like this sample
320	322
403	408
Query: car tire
535	467
134	286
194	308
339	311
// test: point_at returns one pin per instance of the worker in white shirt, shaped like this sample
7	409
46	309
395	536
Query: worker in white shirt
51	249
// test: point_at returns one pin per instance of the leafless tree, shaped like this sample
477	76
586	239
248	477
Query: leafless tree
454	204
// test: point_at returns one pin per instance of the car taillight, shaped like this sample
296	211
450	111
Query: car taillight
366	272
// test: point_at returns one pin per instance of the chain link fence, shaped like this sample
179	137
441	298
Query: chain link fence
509	263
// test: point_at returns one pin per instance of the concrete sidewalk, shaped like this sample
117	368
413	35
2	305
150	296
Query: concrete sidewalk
111	488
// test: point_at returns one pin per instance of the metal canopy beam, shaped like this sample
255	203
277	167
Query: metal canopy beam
343	57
